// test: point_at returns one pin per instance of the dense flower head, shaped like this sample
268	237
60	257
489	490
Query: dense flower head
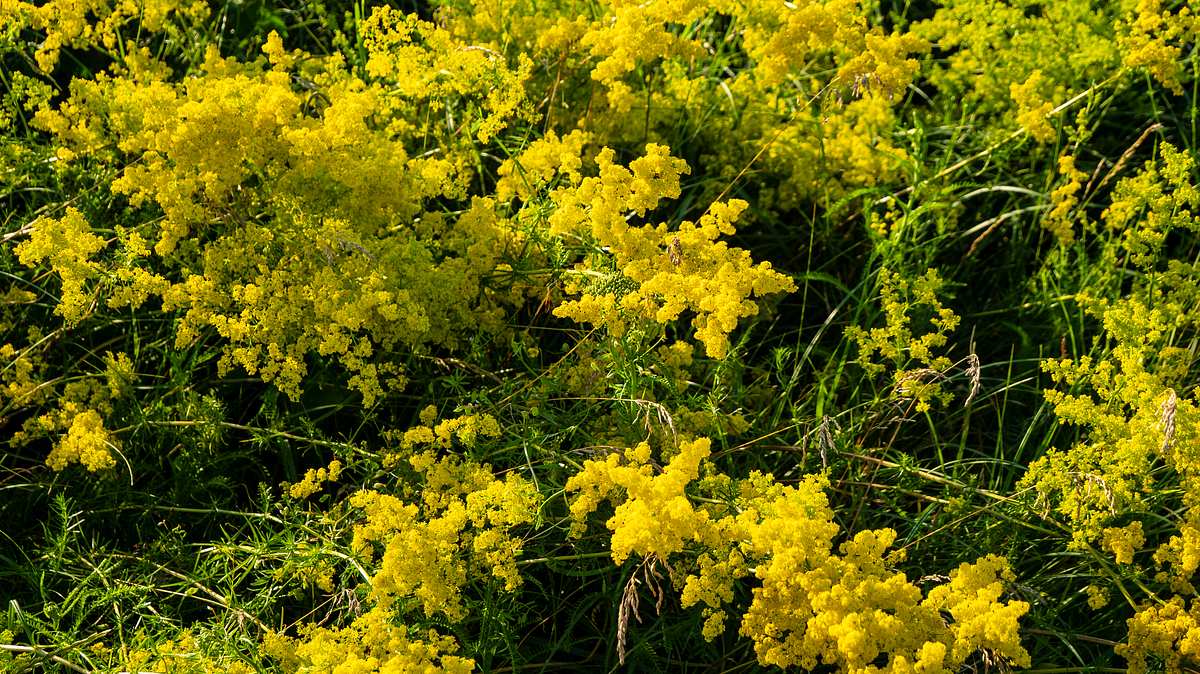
1167	631
657	272
67	244
814	602
372	643
459	525
86	442
916	326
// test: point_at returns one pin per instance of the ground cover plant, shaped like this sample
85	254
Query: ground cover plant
531	335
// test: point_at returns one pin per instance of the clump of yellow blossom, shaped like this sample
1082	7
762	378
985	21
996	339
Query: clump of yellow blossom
1097	480
453	523
1146	207
68	245
86	442
77	418
823	49
182	653
1140	422
657	273
1124	541
907	303
467	429
344	261
1179	556
459	526
375	643
1064	199
1128	399
1097	596
20	382
1170	631
119	374
427	60
541	162
813	605
1153	40
660	498
1020	61
96	23
314	478
1033	106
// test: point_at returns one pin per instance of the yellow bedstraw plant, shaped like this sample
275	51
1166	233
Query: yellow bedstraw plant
916	326
438	180
66	244
97	23
1064	201
448	523
253	176
77	417
1137	458
1022	59
653	273
330	167
771	81
813	602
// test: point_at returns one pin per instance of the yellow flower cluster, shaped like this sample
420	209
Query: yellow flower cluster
779	39
657	273
458	527
541	163
68	245
372	644
1064	199
1170	631
1132	410
813	605
314	478
20	376
1154	40
182	654
77	417
658	498
1110	473
256	165
294	221
1179	557
95	23
1022	59
615	38
899	345
1124	541
1148	206
453	524
86	442
426	61
620	71
466	429
1137	452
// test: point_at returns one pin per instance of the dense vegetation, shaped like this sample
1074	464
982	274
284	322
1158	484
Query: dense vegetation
529	335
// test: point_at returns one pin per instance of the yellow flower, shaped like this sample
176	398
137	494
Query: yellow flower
68	245
813	604
314	478
86	442
660	273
